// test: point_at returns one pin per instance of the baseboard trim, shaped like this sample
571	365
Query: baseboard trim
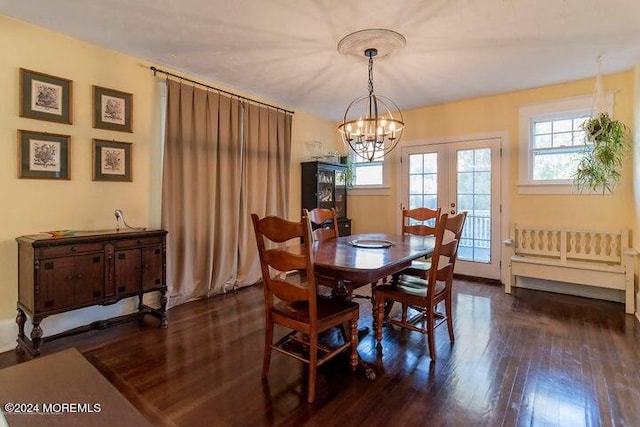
8	334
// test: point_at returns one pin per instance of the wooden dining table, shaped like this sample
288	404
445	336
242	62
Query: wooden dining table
368	258
362	259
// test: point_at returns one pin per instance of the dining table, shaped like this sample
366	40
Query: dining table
362	259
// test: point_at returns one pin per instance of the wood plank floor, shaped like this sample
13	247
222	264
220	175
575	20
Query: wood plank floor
531	359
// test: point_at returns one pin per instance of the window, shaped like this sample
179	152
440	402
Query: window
557	145
367	173
552	144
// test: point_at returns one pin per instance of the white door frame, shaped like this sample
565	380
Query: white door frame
505	181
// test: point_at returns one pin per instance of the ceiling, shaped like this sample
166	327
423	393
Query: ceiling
284	51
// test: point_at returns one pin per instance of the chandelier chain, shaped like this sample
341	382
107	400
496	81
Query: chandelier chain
370	75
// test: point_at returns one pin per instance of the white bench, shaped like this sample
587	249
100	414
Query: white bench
600	258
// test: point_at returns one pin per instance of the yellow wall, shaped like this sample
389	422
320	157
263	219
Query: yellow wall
499	114
30	206
38	205
306	128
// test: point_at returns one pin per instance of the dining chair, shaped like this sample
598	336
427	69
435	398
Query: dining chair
324	223
427	294
324	226
420	222
293	304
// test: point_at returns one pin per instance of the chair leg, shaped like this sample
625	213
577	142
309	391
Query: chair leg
353	324
380	312
268	340
404	312
313	365
448	308
430	333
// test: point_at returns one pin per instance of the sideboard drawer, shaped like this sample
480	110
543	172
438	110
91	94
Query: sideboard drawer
135	243
66	250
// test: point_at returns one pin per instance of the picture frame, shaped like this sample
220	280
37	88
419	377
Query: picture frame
111	161
43	155
45	97
112	109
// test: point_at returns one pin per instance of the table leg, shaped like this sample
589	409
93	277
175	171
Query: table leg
341	291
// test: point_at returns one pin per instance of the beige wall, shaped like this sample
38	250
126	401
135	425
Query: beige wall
30	206
499	115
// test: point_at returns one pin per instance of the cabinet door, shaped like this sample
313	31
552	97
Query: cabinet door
325	188
341	194
127	271
56	279
152	268
69	281
89	278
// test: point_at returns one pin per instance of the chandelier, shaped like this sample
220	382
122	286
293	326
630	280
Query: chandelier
372	124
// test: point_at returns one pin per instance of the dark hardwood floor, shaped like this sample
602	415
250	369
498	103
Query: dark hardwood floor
531	359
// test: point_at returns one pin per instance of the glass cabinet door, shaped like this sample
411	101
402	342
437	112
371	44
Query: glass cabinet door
325	189
340	194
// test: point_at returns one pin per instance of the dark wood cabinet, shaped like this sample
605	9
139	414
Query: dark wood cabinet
59	274
324	185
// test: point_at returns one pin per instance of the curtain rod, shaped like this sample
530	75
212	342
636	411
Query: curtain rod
156	70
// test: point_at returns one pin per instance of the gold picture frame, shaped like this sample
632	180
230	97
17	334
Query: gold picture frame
111	161
112	109
43	155
45	97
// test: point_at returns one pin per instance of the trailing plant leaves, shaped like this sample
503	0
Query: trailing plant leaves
600	168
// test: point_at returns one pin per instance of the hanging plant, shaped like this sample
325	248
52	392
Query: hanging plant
601	166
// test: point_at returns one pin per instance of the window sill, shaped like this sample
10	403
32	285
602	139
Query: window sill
554	189
370	190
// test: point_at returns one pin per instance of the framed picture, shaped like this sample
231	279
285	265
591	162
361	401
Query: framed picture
111	160
112	109
45	97
43	155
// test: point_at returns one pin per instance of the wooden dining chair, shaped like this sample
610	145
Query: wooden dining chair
420	222
427	294
324	223
294	305
324	226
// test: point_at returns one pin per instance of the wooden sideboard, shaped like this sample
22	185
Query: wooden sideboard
85	268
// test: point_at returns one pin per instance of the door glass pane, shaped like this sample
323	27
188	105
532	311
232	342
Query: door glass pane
423	180
474	196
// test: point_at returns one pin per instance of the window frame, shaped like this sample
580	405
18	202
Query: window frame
552	110
382	189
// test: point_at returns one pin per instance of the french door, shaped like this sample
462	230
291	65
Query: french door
460	176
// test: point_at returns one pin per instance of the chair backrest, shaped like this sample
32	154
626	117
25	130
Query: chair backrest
272	234
449	247
324	223
420	221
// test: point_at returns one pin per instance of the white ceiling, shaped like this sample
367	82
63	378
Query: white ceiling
285	50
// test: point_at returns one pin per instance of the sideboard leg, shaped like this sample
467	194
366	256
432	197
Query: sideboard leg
21	318
36	337
163	308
